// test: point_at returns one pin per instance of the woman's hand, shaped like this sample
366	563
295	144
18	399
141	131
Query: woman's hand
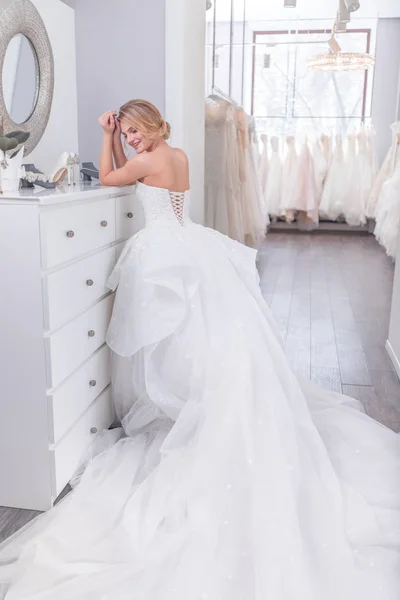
108	121
117	130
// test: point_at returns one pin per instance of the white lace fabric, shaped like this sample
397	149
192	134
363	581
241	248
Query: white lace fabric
162	206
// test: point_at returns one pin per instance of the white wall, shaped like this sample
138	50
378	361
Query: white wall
185	85
62	130
120	56
386	84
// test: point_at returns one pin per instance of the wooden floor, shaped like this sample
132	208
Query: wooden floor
330	295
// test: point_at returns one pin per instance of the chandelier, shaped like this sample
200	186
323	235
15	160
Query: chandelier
335	59
341	61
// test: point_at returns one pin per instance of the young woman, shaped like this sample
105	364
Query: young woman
231	478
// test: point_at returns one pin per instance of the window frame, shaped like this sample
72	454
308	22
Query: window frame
307	32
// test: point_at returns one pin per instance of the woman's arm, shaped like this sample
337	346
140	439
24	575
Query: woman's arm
118	150
136	168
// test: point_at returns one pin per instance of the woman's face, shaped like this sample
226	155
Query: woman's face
134	138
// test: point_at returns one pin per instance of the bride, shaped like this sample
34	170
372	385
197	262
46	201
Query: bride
230	479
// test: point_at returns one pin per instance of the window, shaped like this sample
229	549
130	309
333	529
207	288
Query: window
287	97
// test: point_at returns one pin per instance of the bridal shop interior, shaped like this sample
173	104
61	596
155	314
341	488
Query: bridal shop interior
289	111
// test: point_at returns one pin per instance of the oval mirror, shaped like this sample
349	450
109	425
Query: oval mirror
20	79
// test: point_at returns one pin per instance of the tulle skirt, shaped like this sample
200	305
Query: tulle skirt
231	479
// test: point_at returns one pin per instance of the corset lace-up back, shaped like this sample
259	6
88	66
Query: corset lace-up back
162	206
178	204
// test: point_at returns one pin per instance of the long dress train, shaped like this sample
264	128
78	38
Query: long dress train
233	480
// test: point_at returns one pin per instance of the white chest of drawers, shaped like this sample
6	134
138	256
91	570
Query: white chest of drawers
57	249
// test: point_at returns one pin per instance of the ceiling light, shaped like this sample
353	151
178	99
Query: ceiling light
352	5
343	15
289	3
341	61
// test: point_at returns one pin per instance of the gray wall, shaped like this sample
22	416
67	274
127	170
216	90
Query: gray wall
386	83
120	49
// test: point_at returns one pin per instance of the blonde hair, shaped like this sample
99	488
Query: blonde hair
146	118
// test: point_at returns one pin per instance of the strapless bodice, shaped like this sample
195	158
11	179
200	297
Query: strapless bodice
162	206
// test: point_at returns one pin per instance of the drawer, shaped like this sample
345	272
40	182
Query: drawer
73	344
67	455
129	216
69	291
72	398
69	232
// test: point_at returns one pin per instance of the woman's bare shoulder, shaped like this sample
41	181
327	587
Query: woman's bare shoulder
180	155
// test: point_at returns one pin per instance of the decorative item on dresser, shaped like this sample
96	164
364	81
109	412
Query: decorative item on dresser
57	251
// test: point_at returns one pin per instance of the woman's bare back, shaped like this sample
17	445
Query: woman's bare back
170	169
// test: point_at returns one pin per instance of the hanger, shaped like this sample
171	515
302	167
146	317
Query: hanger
217	92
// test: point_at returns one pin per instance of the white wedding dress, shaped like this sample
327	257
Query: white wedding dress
388	214
290	180
235	481
385	172
273	188
335	193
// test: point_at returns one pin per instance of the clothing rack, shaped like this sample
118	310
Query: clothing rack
224	95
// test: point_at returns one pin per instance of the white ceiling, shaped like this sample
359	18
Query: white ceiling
264	10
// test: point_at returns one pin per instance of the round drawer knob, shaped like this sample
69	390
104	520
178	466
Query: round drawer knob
104	223
93	430
130	215
70	233
91	333
93	383
89	282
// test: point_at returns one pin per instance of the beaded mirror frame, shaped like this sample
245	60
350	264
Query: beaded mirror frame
22	17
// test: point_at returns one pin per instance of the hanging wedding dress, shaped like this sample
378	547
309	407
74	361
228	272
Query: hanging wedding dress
236	480
264	161
385	172
326	142
274	182
290	173
320	167
372	159
388	212
306	198
366	168
254	214
223	187
356	166
336	184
